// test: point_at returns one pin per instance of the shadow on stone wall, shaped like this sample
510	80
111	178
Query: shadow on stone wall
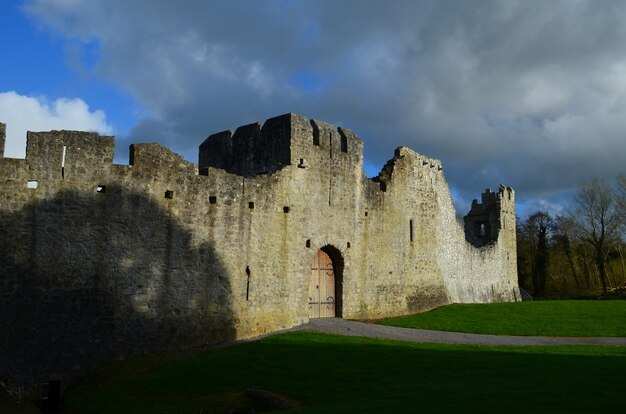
88	278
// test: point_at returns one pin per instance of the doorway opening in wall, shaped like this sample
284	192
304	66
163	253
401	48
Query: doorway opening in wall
326	284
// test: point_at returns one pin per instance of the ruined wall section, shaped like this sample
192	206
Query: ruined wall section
412	209
487	273
482	222
439	265
445	266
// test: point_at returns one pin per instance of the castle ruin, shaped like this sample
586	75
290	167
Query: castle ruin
275	225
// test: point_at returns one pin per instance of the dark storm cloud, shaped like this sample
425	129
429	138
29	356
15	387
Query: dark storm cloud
531	93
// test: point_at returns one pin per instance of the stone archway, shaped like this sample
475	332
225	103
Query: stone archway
325	284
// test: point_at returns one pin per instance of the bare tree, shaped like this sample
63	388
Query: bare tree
598	219
621	199
565	229
533	239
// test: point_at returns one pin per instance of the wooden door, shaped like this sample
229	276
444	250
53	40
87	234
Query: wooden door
322	287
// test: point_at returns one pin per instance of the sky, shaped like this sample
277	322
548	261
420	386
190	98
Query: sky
528	93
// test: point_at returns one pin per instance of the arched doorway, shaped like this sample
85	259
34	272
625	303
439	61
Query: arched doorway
325	284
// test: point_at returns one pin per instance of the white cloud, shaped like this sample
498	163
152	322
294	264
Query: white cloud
27	113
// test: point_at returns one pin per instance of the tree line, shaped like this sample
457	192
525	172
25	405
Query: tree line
579	253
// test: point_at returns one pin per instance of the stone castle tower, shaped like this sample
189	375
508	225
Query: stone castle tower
276	224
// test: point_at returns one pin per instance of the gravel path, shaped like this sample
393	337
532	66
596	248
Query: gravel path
353	328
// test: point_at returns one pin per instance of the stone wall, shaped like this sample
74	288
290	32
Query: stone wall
2	138
101	261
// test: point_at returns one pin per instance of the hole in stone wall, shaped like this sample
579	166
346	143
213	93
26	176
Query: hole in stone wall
348	245
101	189
285	209
308	243
330	143
411	229
212	199
63	161
316	134
251	205
32	184
248	283
482	230
383	186
344	143
301	164
366	214
169	194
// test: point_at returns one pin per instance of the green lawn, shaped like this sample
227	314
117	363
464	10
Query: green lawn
549	318
326	373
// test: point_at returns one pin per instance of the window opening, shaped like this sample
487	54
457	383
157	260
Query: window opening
308	243
411	229
251	205
63	161
344	143
286	209
169	194
316	134
483	232
101	189
212	199
248	283
32	184
330	140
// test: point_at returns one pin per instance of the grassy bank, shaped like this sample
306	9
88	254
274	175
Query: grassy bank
325	373
549	318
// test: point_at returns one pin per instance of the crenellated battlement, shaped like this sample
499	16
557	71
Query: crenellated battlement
280	141
251	150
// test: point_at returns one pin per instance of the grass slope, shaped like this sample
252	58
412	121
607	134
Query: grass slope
346	374
549	318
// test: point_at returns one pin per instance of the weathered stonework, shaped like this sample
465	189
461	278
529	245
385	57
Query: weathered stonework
3	129
101	261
